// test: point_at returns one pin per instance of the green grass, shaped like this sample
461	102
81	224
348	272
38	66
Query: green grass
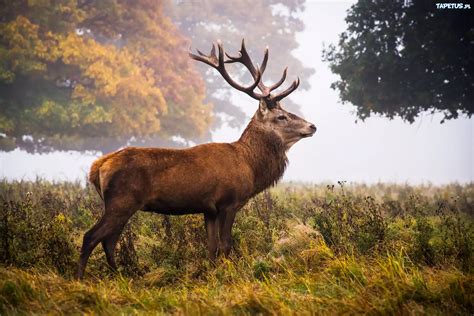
344	249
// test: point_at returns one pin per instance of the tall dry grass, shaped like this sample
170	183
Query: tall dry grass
298	249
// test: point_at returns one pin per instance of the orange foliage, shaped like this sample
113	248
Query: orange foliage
96	68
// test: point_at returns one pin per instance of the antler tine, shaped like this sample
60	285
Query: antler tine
213	50
207	59
225	74
244	58
280	82
220	48
218	62
264	61
289	90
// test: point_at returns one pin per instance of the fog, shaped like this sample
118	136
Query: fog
371	151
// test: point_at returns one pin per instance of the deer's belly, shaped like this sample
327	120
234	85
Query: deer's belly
175	207
173	212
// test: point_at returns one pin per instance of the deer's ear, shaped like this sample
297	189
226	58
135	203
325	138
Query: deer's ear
262	108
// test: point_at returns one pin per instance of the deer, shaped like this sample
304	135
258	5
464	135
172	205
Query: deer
213	179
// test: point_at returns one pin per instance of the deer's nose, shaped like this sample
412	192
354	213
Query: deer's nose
313	127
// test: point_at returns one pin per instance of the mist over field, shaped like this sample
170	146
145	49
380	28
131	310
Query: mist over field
375	150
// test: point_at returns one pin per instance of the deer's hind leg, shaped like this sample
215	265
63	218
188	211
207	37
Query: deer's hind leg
107	230
109	243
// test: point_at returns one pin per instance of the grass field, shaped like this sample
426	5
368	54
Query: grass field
324	249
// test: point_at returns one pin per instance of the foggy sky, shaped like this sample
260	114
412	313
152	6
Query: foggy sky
370	151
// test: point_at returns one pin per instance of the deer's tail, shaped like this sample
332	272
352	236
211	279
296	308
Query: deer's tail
94	174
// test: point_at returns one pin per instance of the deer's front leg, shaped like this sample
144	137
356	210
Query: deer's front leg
211	229
226	220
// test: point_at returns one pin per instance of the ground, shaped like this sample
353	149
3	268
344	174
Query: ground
302	249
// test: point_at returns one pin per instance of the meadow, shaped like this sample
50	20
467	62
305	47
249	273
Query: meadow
298	249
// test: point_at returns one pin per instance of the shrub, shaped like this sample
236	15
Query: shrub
350	223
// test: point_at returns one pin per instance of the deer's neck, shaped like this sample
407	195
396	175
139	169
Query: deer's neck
266	155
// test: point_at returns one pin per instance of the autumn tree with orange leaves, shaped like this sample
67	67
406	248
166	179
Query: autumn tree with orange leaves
95	75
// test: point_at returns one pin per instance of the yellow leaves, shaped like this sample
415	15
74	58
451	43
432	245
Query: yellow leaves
45	108
104	77
97	115
26	50
70	47
21	32
84	114
74	115
129	92
84	95
108	67
51	115
51	110
115	69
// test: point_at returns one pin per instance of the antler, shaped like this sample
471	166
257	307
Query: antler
244	59
218	63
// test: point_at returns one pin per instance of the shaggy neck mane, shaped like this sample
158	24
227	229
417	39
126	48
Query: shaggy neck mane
266	154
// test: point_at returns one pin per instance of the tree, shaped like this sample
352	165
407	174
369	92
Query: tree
90	74
400	58
272	23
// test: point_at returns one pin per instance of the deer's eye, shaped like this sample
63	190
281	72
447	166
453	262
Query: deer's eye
282	117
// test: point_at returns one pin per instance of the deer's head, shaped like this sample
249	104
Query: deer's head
270	115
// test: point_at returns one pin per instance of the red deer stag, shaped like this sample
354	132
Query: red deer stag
215	179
